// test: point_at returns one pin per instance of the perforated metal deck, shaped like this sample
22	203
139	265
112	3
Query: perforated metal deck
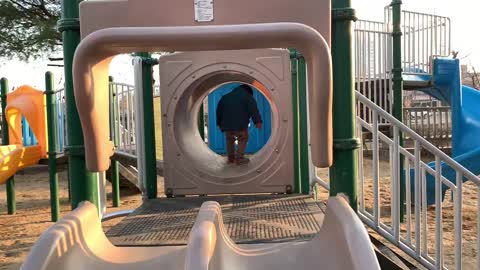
248	219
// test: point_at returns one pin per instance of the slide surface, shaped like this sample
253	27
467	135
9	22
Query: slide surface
78	242
15	157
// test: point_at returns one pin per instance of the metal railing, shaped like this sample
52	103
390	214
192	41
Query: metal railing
424	36
370	25
125	123
61	112
373	65
432	123
431	235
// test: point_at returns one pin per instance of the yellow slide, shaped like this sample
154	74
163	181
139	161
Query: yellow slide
30	103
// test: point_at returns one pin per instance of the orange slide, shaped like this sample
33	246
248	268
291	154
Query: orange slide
30	103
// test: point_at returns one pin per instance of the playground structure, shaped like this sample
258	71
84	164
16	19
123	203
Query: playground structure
29	103
24	137
185	79
445	84
425	38
208	246
377	82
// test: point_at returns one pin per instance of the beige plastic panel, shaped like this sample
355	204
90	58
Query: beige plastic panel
190	166
93	56
96	15
77	242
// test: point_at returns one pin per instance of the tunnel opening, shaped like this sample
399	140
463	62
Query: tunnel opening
194	150
215	138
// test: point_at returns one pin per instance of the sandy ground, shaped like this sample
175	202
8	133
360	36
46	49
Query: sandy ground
19	232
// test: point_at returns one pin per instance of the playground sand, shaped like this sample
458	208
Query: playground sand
19	232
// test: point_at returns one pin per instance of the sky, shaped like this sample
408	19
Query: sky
465	39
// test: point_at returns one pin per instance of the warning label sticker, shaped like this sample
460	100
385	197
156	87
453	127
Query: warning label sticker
203	10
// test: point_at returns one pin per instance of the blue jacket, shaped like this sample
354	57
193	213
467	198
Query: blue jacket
235	110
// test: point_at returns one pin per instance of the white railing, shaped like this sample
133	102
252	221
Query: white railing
424	36
61	113
432	123
370	25
373	65
434	236
125	122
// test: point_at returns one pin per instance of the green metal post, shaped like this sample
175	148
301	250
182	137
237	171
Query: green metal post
201	122
149	124
52	146
84	184
296	161
343	173
398	85
10	185
114	170
303	126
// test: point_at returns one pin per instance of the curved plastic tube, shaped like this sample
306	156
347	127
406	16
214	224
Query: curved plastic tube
93	55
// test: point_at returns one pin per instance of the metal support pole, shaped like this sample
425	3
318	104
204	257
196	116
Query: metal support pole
10	185
398	86
114	170
52	146
296	160
303	126
343	173
84	185
149	126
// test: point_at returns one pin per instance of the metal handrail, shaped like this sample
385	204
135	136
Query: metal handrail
117	214
59	90
421	109
414	241
426	144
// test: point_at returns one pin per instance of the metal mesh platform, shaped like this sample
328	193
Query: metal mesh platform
248	219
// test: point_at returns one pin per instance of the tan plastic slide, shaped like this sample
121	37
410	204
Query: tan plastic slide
78	242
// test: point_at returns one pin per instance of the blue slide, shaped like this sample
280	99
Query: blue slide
465	106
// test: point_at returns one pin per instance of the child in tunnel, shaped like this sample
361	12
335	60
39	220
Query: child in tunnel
234	112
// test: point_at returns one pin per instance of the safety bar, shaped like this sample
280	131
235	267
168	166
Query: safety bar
95	52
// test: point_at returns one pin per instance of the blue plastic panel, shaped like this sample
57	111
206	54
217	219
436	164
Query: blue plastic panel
258	138
464	102
29	138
